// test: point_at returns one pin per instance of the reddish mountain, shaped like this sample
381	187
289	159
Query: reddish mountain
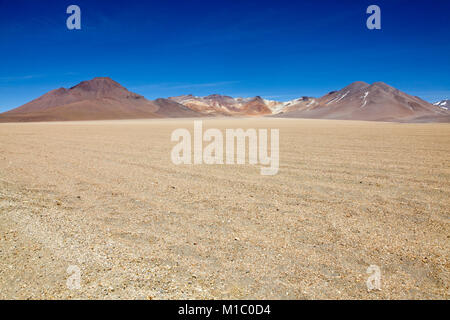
256	106
96	99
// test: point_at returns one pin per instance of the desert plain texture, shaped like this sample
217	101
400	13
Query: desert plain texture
105	196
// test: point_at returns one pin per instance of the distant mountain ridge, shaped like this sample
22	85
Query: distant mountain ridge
103	98
225	105
372	102
443	104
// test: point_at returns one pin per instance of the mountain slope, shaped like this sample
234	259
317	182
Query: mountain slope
96	99
363	101
171	109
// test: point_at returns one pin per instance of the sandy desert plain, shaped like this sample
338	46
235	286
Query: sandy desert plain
105	196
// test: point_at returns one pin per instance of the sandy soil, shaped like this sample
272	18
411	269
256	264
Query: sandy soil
105	196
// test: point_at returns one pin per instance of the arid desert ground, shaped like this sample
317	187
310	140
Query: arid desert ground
105	196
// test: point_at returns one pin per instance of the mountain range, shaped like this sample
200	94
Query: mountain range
363	101
103	98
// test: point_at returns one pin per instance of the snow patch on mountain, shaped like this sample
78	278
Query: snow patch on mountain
364	98
343	96
443	104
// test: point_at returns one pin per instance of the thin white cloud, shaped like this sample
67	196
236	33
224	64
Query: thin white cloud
19	78
170	86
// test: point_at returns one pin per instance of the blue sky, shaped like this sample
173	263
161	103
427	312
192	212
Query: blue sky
276	49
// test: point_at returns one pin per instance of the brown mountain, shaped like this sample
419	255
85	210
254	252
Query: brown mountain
96	99
363	101
216	104
256	106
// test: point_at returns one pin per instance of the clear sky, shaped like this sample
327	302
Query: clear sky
276	49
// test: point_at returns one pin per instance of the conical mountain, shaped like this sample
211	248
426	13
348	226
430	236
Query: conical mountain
97	99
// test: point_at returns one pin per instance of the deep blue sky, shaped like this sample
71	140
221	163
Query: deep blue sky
276	49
